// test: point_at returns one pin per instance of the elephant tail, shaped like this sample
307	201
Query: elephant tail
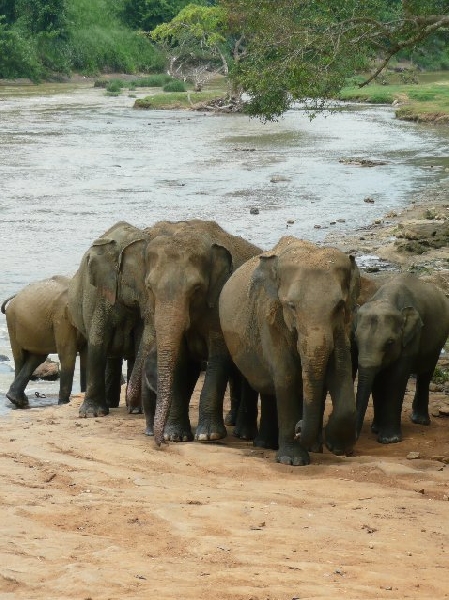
3	308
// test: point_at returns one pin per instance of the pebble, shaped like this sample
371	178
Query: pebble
413	455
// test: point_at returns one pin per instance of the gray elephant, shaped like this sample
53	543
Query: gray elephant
106	296
39	323
185	274
286	318
399	331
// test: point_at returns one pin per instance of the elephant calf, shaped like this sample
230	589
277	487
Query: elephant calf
39	324
399	331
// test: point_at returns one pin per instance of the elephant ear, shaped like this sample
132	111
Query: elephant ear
221	270
412	325
102	267
265	277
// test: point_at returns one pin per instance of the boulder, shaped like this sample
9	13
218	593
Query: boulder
48	370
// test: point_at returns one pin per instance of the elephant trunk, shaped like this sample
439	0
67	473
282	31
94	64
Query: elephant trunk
170	329
314	351
364	387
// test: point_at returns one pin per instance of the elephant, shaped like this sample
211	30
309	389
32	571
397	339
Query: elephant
39	323
185	274
106	296
286	318
399	331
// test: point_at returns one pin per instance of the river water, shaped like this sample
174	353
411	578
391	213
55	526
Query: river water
73	161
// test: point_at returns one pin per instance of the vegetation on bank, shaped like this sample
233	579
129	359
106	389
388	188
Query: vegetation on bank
277	53
424	102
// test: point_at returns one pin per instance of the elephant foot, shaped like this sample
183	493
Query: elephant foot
19	401
90	409
420	419
389	437
210	431
134	410
266	442
63	401
149	430
246	431
178	432
293	454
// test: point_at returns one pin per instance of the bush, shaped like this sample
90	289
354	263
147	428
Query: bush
176	85
114	87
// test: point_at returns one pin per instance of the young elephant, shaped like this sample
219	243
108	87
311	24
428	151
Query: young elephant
400	331
286	317
39	324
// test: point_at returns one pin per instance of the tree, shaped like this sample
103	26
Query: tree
303	50
195	43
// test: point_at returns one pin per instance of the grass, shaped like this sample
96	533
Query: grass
176	100
427	101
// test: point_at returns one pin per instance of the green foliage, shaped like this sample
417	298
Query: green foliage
176	85
304	50
148	14
157	80
114	86
18	56
440	376
175	100
39	38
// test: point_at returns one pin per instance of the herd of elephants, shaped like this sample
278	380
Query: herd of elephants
286	326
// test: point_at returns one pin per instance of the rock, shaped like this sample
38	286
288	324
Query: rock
290	221
443	411
413	455
368	200
4	368
48	370
278	178
3	358
253	211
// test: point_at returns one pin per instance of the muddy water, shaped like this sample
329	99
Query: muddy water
73	161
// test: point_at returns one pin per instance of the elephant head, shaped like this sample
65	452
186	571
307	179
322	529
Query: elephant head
383	334
317	289
186	273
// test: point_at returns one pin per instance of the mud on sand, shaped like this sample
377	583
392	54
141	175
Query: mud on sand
92	510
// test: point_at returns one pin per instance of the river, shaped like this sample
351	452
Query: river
74	160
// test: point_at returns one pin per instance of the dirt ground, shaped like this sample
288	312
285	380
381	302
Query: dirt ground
91	509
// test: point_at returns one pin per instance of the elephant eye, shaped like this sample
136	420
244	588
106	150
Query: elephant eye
389	342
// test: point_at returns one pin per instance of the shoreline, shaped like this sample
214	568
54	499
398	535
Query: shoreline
423	220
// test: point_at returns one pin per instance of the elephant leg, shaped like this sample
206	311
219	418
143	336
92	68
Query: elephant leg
83	369
388	394
66	379
113	381
235	384
420	407
210	422
16	393
289	413
246	422
268	426
94	404
187	372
